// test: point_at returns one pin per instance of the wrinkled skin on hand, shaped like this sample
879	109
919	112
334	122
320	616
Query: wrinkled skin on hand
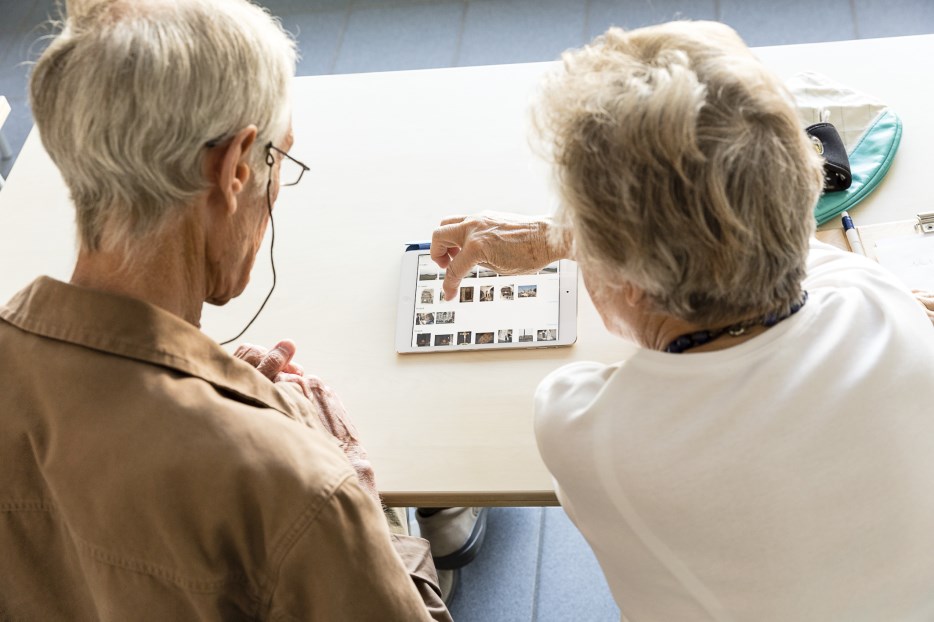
506	243
276	364
270	362
927	301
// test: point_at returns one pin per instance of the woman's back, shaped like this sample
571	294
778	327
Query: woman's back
786	478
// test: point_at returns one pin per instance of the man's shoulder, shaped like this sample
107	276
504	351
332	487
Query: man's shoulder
166	442
225	435
154	469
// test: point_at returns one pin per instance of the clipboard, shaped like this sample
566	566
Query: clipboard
906	247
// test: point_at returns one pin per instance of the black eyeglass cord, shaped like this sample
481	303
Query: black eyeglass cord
272	262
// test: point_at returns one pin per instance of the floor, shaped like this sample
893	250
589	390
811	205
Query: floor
534	565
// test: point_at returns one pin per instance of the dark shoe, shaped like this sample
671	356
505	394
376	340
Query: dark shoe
455	535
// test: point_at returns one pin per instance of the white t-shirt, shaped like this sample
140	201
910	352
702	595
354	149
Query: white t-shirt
789	478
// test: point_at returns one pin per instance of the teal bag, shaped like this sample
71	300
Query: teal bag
870	160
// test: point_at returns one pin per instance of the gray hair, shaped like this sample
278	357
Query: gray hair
683	170
130	91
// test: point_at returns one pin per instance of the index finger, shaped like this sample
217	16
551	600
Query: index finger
457	268
447	240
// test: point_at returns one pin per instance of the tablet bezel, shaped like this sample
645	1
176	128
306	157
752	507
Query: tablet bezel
405	312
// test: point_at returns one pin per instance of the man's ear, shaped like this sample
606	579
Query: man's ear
233	171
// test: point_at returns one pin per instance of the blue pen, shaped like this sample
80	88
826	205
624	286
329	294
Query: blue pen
418	246
849	229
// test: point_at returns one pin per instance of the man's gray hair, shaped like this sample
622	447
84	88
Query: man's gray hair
683	170
130	91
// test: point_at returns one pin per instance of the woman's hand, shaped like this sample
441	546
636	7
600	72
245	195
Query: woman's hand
506	243
927	301
276	364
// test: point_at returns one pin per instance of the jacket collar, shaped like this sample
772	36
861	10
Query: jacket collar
137	330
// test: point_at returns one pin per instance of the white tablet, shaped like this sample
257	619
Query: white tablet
491	311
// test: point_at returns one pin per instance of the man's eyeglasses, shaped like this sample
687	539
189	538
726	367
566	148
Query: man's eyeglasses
289	167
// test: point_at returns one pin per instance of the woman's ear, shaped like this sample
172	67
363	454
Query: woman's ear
633	295
232	169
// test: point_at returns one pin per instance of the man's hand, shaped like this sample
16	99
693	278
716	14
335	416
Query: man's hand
927	301
270	362
277	365
506	243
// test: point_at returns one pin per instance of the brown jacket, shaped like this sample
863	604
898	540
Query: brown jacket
146	474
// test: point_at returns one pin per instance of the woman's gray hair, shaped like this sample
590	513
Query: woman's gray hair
129	93
683	170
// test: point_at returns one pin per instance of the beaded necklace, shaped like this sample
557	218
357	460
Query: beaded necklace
699	338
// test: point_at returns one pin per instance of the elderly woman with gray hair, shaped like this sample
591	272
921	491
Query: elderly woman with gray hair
768	452
145	473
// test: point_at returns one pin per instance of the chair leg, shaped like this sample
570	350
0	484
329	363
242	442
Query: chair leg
5	152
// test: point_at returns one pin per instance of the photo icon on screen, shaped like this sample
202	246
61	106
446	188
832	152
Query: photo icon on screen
423	340
551	268
526	335
463	337
426	296
548	335
504	336
486	293
443	340
484	338
444	317
486	273
424	319
427	273
528	291
507	292
466	294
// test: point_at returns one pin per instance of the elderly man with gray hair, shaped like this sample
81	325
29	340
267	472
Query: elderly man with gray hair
767	453
144	472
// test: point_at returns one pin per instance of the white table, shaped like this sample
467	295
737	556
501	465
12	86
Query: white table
391	154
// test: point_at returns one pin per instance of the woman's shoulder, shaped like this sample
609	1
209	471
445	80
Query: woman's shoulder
845	277
576	373
829	266
570	389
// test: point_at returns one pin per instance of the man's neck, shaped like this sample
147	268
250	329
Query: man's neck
166	270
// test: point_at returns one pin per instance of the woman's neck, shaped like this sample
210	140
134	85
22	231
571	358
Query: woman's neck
666	335
656	331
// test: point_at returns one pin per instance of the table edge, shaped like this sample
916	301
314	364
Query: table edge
441	499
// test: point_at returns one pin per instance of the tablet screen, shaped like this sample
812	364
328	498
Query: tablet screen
490	308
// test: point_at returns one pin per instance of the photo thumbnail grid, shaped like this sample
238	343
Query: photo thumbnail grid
488	308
